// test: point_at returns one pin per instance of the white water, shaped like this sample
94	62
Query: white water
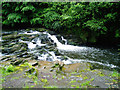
39	43
1	54
31	33
0	38
65	47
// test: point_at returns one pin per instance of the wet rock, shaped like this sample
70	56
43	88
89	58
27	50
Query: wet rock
6	59
14	48
23	44
32	71
41	29
62	58
12	36
22	54
33	62
6	33
24	35
24	38
17	62
12	44
5	42
31	37
35	57
28	29
49	59
57	53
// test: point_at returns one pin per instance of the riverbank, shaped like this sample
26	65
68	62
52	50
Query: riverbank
29	73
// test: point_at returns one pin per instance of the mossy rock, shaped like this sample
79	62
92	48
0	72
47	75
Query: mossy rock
12	36
17	62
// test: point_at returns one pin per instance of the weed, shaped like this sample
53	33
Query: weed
85	77
115	74
63	77
44	80
73	85
73	81
87	83
32	86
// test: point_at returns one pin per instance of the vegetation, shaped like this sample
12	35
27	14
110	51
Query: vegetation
88	21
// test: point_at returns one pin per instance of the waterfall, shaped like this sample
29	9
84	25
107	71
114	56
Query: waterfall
38	42
64	40
65	47
0	38
53	37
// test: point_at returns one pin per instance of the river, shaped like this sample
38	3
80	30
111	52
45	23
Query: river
47	46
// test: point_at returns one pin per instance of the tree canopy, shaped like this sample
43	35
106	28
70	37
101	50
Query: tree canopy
90	21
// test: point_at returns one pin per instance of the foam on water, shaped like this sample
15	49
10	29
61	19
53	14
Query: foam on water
38	42
31	45
65	47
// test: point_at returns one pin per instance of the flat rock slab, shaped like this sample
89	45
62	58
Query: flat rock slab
78	75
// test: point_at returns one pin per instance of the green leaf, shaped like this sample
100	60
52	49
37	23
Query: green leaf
27	8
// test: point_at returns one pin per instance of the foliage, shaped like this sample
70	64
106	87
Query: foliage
89	21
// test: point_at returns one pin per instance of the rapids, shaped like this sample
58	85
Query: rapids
48	47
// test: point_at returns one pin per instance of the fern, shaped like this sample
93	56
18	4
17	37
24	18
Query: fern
13	16
35	21
27	8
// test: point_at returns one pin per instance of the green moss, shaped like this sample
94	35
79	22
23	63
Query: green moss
85	77
15	78
7	70
115	74
50	86
115	81
44	80
73	81
87	83
98	72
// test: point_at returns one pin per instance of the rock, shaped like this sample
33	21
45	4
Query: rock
33	62
76	67
24	35
31	37
14	48
41	29
6	33
57	52
23	44
6	59
24	38
22	54
31	70
17	62
62	58
11	36
12	44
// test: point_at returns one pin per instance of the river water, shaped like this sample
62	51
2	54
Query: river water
47	46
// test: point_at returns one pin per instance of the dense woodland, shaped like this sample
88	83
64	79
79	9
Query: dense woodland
91	22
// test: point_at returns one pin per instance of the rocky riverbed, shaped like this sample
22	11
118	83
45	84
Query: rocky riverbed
42	69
